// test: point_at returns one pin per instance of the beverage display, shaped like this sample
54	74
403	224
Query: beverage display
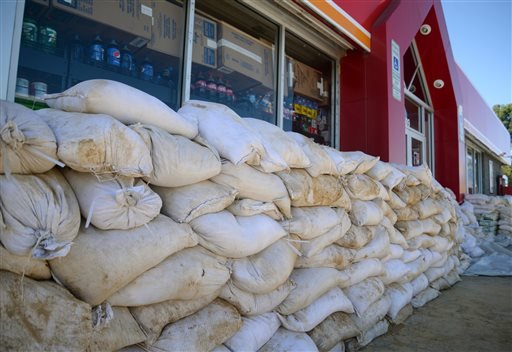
146	69
113	55
96	54
47	38
77	49
29	32
127	63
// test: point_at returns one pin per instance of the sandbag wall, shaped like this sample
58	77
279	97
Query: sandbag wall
493	213
199	230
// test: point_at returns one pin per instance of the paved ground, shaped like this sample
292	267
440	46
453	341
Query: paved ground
474	315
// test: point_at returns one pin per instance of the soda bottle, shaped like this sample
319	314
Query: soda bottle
229	94
211	88
126	60
97	52
113	55
77	49
146	69
200	85
221	91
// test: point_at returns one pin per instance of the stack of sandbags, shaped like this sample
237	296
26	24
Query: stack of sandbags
486	213
202	230
505	220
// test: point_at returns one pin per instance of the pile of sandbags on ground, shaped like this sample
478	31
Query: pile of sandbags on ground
201	230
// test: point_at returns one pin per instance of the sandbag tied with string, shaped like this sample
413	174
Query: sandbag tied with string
27	144
113	203
40	216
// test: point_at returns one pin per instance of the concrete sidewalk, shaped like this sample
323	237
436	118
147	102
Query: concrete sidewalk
474	315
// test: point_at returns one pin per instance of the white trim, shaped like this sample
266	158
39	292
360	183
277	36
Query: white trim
281	72
345	14
472	130
187	52
337	25
11	15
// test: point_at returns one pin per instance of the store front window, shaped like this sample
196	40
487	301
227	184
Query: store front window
233	59
307	93
474	170
139	43
419	115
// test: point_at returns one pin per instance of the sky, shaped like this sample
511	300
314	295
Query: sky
481	39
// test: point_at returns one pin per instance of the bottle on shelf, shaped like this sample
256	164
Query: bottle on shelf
200	85
211	88
77	49
230	95
29	32
221	91
146	69
127	63
113	55
96	55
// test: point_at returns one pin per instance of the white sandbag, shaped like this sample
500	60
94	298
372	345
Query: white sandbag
411	229
253	184
250	304
219	348
364	293
442	244
400	296
378	247
453	276
425	296
22	265
154	317
343	165
410	255
339	347
360	271
310	284
395	236
417	267
364	161
365	213
283	144
395	202
402	315
307	191
125	103
285	340
183	204
308	318
321	163
395	252
375	312
375	331
120	331
394	271
227	132
410	195
201	273
422	172
39	217
393	178
428	207
202	331
315	246
333	256
36	316
27	144
265	271
440	284
422	241
407	214
254	333
119	203
435	273
311	222
386	209
443	217
419	284
102	262
357	236
98	143
362	187
177	161
249	207
236	236
380	170
333	329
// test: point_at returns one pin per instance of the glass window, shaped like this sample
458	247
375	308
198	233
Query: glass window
470	171
417	152
139	43
413	116
491	176
307	94
233	58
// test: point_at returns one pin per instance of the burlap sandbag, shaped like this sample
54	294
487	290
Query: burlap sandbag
41	316
27	144
33	268
333	256
102	262
98	143
285	340
39	215
254	333
127	104
311	222
321	163
335	328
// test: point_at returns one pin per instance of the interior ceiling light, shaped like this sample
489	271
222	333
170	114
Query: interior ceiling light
425	29
438	83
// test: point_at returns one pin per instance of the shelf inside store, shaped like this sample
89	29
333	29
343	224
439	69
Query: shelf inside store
40	60
79	71
30	101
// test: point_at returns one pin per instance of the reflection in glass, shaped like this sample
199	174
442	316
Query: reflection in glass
417	152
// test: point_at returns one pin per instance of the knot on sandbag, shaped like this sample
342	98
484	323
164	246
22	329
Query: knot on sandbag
128	197
102	315
12	136
47	246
